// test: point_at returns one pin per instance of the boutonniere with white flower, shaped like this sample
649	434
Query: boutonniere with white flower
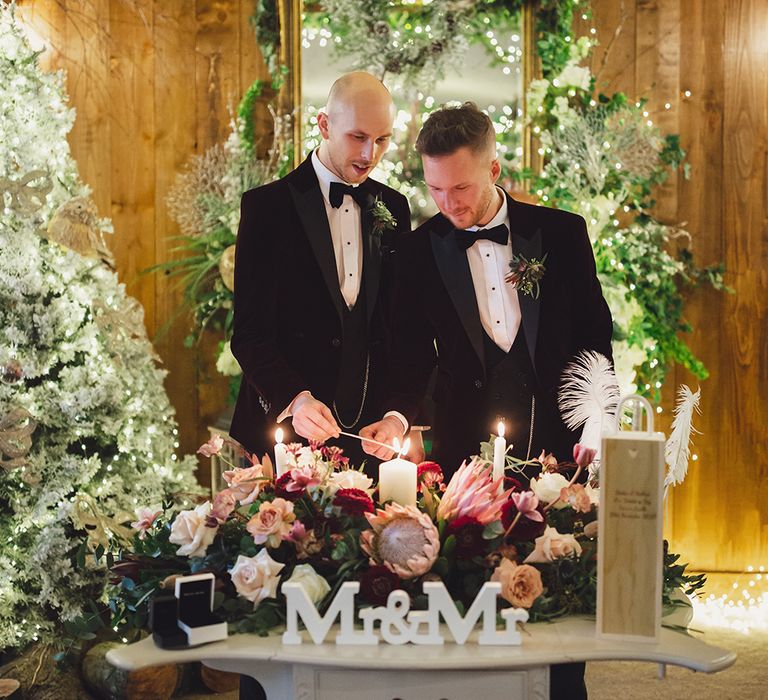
526	274
382	217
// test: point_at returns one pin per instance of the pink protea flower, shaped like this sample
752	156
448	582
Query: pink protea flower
212	447
402	538
245	484
472	492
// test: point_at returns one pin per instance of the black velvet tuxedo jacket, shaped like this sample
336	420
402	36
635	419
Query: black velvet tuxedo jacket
288	304
443	327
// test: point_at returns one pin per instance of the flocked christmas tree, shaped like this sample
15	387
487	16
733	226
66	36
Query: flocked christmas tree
87	433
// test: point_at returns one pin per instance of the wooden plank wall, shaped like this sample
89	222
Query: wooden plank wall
153	82
718	51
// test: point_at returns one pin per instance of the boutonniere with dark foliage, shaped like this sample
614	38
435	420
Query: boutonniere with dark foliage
525	274
382	217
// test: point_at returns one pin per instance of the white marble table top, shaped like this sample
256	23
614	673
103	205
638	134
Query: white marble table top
569	639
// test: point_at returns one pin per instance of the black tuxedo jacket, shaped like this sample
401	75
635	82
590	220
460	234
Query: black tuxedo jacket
288	304
443	327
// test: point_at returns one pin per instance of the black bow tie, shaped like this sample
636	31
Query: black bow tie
339	189
497	234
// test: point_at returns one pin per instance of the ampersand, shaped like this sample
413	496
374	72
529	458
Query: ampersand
394	615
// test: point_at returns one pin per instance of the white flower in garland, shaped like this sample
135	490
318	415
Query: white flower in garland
226	363
573	75
535	94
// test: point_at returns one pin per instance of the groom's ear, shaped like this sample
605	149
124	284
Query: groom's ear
322	124
495	169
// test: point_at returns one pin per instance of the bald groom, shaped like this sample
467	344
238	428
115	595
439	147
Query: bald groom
312	282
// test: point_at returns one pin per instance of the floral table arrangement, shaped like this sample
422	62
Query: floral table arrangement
319	524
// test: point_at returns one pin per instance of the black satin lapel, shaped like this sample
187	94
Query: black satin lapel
454	269
311	209
529	306
371	256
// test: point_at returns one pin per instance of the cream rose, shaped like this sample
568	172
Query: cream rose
315	586
520	585
256	578
350	479
272	524
548	486
189	529
552	545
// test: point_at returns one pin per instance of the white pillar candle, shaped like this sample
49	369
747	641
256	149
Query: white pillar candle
281	454
397	479
499	454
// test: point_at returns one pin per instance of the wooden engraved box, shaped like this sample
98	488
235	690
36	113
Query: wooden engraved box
630	540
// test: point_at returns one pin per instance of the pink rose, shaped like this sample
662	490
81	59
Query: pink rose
146	518
256	578
245	484
576	497
190	530
552	545
520	585
212	447
224	503
272	524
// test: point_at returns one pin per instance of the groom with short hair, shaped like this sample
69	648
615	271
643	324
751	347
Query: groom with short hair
500	345
312	281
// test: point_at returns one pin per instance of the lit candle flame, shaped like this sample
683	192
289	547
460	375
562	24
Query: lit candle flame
279	435
396	445
406	446
501	428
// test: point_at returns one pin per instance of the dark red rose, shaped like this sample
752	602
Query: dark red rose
282	492
377	583
525	530
353	502
468	532
430	474
512	483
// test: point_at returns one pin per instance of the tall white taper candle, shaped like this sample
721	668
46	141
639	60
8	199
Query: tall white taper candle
281	454
499	454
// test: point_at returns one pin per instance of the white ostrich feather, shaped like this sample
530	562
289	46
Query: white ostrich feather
589	395
677	450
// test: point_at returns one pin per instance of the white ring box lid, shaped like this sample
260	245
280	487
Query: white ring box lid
201	632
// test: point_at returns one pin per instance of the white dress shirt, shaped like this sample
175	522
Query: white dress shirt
345	223
497	300
346	234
